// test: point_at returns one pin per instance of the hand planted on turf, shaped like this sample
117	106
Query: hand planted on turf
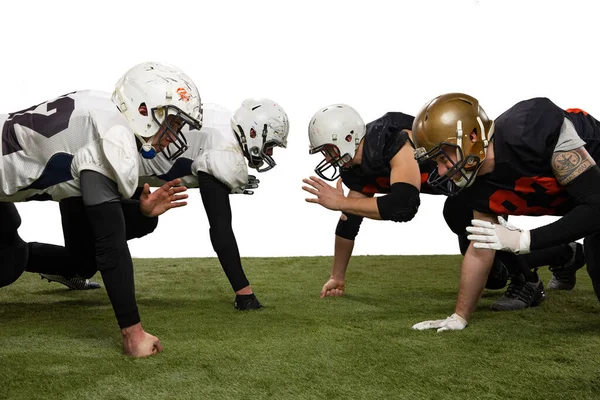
138	343
333	287
162	199
502	236
328	196
453	323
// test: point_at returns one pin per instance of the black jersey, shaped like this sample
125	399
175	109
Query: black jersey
522	182
383	139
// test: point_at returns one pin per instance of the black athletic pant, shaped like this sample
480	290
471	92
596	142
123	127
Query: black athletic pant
458	216
79	238
78	255
591	249
13	250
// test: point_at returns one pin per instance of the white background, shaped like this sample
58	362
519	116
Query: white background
375	55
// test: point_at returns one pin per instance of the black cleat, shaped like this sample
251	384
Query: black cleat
564	276
520	295
75	283
245	302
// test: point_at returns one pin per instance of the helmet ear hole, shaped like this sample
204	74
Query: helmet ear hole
473	135
143	110
348	138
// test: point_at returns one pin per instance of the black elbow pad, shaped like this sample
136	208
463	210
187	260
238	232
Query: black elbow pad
401	204
348	228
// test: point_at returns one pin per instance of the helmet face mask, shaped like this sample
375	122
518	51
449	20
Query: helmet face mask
329	168
171	130
260	125
259	156
456	176
439	126
148	95
335	131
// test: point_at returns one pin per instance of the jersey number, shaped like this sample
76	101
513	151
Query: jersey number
531	196
45	125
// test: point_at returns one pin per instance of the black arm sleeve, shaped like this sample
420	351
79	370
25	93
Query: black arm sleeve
112	254
348	229
138	225
215	197
581	221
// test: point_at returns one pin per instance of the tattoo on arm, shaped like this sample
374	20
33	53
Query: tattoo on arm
568	165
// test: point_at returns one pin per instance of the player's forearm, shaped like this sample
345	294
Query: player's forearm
341	257
363	207
400	205
581	221
474	271
113	260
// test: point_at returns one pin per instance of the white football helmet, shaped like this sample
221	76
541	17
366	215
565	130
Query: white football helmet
335	131
147	94
260	124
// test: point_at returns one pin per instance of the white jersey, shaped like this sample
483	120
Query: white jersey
45	147
213	150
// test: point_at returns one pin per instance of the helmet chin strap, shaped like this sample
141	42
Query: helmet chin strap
147	150
465	179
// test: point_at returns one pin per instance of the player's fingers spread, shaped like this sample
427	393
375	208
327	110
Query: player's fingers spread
310	190
319	181
179	189
178	197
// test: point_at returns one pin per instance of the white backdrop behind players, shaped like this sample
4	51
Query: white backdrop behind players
376	56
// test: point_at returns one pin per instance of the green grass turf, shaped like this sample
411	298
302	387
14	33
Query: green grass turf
62	344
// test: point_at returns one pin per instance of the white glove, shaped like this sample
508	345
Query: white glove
453	323
504	237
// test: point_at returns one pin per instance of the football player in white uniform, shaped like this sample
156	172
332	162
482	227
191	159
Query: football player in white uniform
85	145
217	162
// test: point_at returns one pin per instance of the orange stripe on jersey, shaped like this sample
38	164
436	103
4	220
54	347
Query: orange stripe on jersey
576	111
369	189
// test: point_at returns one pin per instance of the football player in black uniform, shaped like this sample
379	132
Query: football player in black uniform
374	159
367	170
535	159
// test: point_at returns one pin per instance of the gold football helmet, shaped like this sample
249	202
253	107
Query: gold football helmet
453	121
